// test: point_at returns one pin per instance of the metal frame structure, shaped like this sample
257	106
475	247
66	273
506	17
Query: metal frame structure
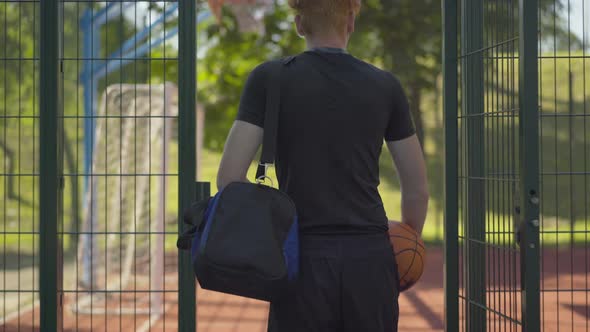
529	162
472	87
130	50
450	105
491	165
51	175
49	171
158	138
187	103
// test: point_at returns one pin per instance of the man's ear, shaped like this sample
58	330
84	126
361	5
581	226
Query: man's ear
350	22
299	26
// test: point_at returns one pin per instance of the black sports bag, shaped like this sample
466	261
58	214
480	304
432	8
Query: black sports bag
244	240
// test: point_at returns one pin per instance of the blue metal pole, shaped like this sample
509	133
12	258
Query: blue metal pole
101	12
129	43
86	78
91	46
91	75
113	64
109	12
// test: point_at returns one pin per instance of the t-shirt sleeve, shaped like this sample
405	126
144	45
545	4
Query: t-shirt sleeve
253	99
401	124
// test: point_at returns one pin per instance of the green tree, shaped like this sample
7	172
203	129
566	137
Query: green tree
18	88
406	40
230	57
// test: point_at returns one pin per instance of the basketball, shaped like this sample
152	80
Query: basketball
410	253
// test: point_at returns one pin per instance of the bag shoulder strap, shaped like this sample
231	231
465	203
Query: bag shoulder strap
271	117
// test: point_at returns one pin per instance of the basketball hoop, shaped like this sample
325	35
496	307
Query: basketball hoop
215	6
244	10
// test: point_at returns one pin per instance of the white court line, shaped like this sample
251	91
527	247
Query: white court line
15	314
153	320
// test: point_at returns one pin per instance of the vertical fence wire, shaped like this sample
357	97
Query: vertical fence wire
187	159
450	102
488	174
529	164
564	165
523	168
120	148
19	167
97	164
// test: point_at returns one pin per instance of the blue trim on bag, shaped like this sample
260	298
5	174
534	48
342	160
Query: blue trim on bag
291	250
195	245
209	214
201	237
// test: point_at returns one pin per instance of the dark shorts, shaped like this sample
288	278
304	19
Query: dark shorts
346	283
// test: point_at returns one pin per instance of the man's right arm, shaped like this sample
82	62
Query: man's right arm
411	169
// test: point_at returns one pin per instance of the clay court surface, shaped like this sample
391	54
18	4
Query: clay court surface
421	309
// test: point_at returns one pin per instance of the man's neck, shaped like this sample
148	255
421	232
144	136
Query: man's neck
326	43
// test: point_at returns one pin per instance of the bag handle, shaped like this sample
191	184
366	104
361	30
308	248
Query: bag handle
271	119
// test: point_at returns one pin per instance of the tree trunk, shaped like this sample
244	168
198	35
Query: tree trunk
415	103
9	156
11	174
407	71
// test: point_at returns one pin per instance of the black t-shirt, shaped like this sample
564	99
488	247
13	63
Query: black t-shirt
335	113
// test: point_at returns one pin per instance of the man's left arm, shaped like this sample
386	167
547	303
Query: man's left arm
245	137
241	146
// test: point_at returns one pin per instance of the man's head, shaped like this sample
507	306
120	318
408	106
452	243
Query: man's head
325	20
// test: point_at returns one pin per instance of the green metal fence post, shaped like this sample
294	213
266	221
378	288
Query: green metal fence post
473	106
187	158
450	95
529	162
48	168
203	190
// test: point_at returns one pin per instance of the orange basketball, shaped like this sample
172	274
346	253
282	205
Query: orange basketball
410	253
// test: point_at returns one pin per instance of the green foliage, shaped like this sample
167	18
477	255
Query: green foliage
405	35
17	86
402	36
230	57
